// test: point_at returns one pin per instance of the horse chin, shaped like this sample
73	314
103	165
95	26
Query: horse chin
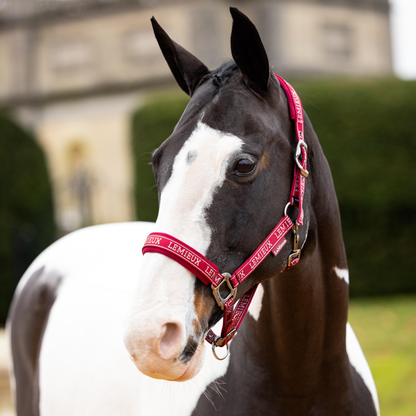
195	365
175	371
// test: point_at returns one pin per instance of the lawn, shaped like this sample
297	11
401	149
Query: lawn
386	329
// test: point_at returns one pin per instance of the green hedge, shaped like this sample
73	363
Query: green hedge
367	130
26	210
152	124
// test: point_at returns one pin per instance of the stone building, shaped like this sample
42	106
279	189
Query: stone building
74	70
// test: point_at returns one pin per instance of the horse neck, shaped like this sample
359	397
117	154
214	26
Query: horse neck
302	322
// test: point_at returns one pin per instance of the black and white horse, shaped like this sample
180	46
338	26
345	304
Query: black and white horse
91	303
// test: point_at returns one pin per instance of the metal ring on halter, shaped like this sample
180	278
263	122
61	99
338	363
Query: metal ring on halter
216	356
286	207
298	154
300	144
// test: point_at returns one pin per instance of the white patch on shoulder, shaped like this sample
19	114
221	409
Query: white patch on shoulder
256	304
82	353
358	361
343	274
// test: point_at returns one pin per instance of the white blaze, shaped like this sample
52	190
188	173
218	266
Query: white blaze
190	189
165	292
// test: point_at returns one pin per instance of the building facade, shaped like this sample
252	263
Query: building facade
74	70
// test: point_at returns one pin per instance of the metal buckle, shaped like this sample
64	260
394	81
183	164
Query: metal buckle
219	342
295	255
298	154
216	291
294	258
295	233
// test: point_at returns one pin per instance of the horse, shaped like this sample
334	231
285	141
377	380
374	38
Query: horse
98	328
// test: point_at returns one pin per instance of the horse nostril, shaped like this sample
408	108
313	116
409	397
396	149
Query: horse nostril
171	341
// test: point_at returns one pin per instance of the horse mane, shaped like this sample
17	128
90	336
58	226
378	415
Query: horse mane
225	72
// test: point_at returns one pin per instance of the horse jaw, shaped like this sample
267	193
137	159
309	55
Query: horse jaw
163	319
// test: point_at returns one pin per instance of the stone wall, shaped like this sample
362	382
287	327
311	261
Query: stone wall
74	72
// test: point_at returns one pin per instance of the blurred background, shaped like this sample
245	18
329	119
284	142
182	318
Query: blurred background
85	96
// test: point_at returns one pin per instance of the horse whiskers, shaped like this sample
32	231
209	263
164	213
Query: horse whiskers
217	387
209	398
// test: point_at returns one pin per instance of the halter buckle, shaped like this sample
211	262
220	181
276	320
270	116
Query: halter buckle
293	258
298	155
216	291
221	342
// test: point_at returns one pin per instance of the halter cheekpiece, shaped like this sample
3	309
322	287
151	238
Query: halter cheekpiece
208	272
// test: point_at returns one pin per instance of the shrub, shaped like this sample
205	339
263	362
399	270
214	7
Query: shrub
152	124
26	209
367	130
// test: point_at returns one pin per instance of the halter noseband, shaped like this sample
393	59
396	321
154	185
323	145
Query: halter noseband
208	272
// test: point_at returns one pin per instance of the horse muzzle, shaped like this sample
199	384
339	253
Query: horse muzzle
161	356
158	335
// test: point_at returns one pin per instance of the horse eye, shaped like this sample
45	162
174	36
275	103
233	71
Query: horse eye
244	166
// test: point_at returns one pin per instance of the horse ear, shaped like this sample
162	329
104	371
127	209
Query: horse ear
186	68
248	50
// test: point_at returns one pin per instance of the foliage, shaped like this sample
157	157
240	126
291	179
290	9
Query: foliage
152	124
26	209
367	130
386	329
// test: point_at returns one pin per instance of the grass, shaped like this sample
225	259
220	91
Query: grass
386	329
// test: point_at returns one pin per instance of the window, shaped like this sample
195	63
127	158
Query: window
71	55
140	45
337	40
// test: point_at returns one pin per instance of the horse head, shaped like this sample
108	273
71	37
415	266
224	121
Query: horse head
224	177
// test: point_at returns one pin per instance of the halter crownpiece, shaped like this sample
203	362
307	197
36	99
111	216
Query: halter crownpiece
208	272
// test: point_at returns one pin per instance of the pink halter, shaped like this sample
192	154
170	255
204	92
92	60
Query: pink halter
208	272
